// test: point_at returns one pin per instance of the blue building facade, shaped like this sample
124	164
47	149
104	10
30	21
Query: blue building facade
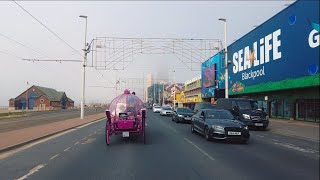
277	63
212	77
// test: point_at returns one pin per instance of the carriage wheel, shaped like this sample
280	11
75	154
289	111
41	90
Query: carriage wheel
108	133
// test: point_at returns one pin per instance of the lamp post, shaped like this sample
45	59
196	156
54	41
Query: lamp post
163	94
83	69
159	97
226	76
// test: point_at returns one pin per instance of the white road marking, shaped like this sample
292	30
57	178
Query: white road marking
32	171
54	156
260	136
173	129
89	140
66	149
76	143
84	138
291	146
197	147
274	140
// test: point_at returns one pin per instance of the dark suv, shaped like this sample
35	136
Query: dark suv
203	105
245	110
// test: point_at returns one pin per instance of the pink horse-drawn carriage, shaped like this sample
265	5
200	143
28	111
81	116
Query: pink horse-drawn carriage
126	115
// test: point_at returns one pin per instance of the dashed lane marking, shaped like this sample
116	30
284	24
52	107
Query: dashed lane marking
89	140
173	129
54	156
66	149
197	147
76	143
32	171
84	138
275	140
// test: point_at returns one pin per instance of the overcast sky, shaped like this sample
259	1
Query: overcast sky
144	19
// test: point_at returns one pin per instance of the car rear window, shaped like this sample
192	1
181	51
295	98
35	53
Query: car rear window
219	114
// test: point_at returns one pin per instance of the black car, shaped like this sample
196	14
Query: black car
182	114
203	105
246	111
219	124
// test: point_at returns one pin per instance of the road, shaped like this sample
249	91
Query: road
171	152
42	117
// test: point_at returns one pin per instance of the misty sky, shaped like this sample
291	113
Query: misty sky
144	19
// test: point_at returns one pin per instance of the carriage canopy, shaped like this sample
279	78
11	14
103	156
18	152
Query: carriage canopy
126	103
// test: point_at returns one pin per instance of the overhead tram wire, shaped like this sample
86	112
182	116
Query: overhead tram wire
23	45
55	34
48	60
10	54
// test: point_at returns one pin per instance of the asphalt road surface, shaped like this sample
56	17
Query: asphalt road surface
42	117
171	152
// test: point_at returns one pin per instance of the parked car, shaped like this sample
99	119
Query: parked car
203	105
182	114
246	111
165	111
156	109
219	124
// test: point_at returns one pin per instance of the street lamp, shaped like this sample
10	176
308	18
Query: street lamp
163	94
226	76
160	97
83	69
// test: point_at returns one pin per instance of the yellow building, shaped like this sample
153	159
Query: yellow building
192	92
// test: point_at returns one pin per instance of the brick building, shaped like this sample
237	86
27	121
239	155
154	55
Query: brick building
41	98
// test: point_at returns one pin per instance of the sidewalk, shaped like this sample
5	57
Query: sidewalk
298	129
15	138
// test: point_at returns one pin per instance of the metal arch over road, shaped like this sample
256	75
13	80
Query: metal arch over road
109	53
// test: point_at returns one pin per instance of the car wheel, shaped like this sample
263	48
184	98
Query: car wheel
192	129
206	134
177	120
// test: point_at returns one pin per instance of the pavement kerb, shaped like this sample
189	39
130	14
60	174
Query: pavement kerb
296	122
295	136
9	148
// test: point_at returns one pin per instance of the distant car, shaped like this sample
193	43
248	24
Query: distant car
156	109
165	111
182	114
203	105
219	124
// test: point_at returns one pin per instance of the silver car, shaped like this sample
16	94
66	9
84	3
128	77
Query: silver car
166	111
156	109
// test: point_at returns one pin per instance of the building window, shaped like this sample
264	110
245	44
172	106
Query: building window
308	109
